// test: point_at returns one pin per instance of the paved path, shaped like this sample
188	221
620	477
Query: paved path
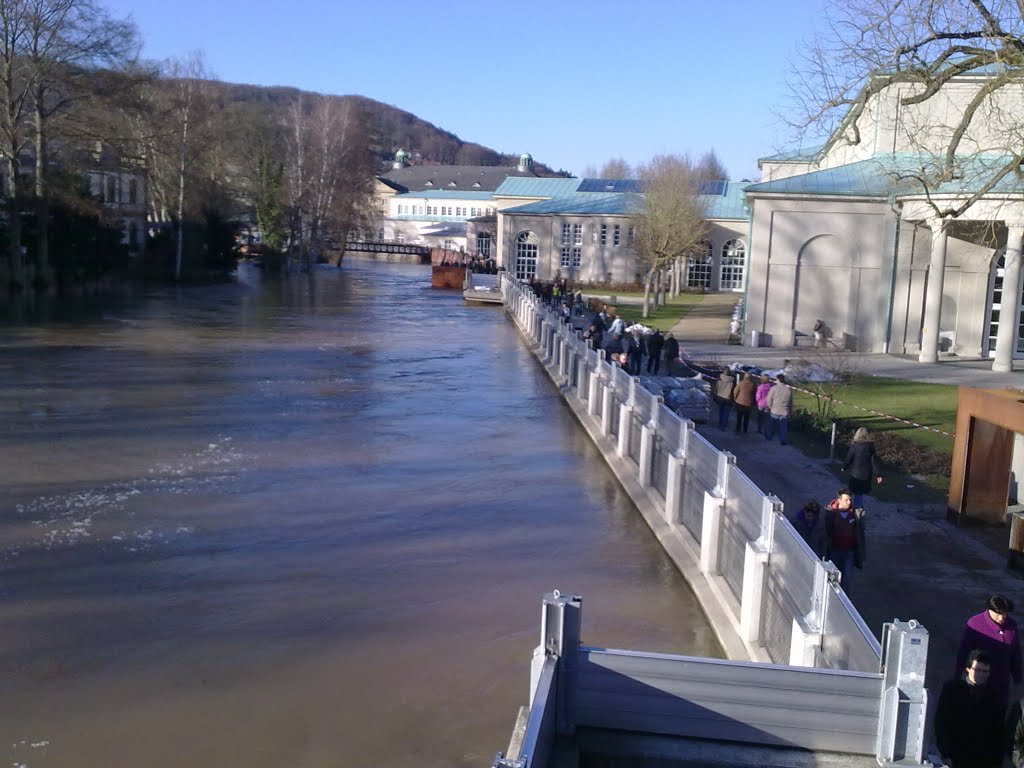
919	566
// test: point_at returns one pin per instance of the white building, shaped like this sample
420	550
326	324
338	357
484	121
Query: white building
844	233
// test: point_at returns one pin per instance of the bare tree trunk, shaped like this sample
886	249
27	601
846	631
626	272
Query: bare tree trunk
648	282
182	152
14	224
42	201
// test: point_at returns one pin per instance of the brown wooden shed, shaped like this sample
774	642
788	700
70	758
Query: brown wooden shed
986	423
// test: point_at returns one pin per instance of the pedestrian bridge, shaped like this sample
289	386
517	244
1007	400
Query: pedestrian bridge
801	659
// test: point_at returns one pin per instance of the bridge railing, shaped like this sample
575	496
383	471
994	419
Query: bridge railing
783	599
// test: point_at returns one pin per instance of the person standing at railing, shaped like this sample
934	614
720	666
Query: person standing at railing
969	718
844	536
862	465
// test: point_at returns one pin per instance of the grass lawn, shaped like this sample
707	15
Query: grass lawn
665	316
933	405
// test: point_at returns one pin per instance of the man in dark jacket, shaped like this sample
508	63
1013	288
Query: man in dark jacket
969	718
844	536
670	350
862	465
655	342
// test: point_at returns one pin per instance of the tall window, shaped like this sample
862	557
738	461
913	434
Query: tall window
698	272
566	236
604	234
566	256
526	255
630	234
577	234
577	256
616	236
734	257
483	245
449	245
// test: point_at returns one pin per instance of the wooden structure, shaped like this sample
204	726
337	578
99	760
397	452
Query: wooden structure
987	421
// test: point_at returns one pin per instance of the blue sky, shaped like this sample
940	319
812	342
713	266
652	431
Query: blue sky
573	82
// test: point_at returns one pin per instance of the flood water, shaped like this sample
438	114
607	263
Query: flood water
300	523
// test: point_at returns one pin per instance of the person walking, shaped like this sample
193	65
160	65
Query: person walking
994	632
780	408
723	397
761	396
743	394
969	717
655	343
862	465
670	351
844	536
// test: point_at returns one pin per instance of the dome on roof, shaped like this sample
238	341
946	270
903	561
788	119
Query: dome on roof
401	159
525	162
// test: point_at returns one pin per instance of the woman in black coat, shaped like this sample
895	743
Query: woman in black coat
862	465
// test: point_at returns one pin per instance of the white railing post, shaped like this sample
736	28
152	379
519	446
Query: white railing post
625	426
594	400
757	556
809	630
711	526
606	405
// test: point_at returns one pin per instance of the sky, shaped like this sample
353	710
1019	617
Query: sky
573	82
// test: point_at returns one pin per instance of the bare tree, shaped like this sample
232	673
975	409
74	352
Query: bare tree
66	41
671	222
710	167
907	51
188	76
616	168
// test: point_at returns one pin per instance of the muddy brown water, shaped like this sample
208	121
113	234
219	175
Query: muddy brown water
300	523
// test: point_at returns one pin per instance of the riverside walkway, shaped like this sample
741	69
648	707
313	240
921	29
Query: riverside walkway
918	564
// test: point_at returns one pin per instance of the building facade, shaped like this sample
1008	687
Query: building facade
849	234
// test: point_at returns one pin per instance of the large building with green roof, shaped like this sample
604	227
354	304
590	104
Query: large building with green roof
895	246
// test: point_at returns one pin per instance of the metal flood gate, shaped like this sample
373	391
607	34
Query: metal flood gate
880	715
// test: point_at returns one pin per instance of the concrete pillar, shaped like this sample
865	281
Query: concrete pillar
755	570
933	299
673	490
594	398
647	432
711	525
1009	314
625	419
606	408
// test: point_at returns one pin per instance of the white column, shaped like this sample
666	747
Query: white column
647	432
625	426
933	301
1006	338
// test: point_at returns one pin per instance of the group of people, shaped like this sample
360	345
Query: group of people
973	728
746	393
633	350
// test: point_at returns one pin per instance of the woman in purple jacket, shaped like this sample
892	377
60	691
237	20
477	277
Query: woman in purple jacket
761	399
994	632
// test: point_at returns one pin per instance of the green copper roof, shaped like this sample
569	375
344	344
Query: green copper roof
533	187
445	194
583	204
899	174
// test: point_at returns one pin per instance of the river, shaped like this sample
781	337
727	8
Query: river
297	523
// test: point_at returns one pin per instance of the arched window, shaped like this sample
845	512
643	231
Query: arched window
526	255
698	272
483	245
734	259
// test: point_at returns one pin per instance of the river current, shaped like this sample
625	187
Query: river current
297	523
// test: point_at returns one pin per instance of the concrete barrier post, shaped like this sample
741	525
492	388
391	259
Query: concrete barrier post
607	406
755	569
726	461
809	630
647	434
711	525
594	399
625	427
904	698
673	489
